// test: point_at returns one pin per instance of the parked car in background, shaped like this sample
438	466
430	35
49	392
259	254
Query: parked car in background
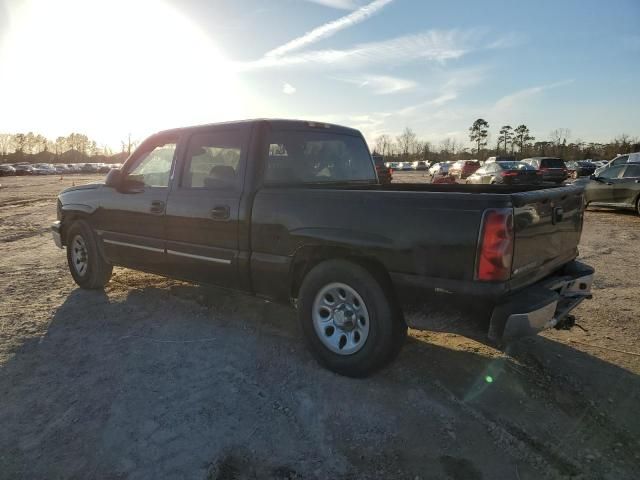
580	168
385	174
506	173
23	169
439	169
463	168
406	165
500	158
616	187
553	169
393	165
104	168
7	170
621	160
420	165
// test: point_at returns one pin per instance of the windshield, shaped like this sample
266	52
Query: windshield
552	163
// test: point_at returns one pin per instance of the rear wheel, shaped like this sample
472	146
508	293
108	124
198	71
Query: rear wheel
638	205
352	323
88	269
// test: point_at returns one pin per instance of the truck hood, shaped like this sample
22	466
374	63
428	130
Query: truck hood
89	186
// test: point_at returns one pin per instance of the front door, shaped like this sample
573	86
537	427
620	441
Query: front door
131	220
202	219
603	189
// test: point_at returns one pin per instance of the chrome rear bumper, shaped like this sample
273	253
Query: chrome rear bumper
543	305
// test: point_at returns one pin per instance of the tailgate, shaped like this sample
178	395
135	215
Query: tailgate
548	224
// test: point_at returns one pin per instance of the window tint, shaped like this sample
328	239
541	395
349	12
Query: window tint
552	163
632	171
297	157
611	172
152	167
620	160
213	159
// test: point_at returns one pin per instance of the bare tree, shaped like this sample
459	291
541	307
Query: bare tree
406	142
384	145
7	144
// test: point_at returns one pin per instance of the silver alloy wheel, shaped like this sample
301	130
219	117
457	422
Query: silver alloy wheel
340	318
79	255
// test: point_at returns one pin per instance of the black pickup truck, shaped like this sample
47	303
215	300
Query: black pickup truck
293	211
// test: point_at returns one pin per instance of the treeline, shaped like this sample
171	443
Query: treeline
510	141
74	148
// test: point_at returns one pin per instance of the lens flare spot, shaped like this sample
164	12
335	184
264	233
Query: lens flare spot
488	379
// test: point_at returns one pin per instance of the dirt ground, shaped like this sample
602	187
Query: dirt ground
155	378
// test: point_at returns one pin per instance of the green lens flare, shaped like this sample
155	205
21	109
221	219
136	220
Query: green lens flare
489	379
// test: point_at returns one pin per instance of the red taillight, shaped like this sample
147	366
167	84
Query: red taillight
495	252
509	174
390	171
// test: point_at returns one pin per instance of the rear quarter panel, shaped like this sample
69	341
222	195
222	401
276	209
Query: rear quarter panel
427	234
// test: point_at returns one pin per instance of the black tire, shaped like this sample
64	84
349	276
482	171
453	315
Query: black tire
387	329
96	272
638	205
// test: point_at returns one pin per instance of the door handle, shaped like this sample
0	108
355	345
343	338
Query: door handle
157	207
220	212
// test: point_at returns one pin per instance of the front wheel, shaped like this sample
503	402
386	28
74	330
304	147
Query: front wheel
352	323
88	269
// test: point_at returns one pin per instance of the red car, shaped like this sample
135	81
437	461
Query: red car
385	174
463	168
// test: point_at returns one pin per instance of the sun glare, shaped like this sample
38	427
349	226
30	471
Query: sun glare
107	68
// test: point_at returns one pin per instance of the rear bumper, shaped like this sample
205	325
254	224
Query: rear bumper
543	305
56	232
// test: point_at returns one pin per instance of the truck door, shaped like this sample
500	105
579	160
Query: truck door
202	219
130	221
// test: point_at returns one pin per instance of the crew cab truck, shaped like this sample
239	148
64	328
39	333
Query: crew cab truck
293	211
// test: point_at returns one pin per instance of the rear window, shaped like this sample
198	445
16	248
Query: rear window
552	163
515	166
299	157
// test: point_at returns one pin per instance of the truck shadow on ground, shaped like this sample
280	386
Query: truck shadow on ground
199	381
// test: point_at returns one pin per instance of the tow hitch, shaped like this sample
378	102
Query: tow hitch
566	323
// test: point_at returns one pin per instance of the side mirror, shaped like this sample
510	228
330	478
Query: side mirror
114	178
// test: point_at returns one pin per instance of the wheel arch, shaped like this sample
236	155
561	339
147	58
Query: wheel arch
306	258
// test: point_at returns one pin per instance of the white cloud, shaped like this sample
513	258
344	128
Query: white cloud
433	45
288	89
330	28
341	4
509	101
382	84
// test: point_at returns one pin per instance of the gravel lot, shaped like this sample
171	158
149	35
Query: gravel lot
155	378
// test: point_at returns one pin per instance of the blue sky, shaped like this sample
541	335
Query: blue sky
378	66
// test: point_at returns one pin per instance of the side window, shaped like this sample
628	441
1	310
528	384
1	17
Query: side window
153	166
632	171
299	157
612	172
620	160
213	160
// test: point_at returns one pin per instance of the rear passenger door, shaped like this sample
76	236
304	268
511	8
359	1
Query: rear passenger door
202	216
628	187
